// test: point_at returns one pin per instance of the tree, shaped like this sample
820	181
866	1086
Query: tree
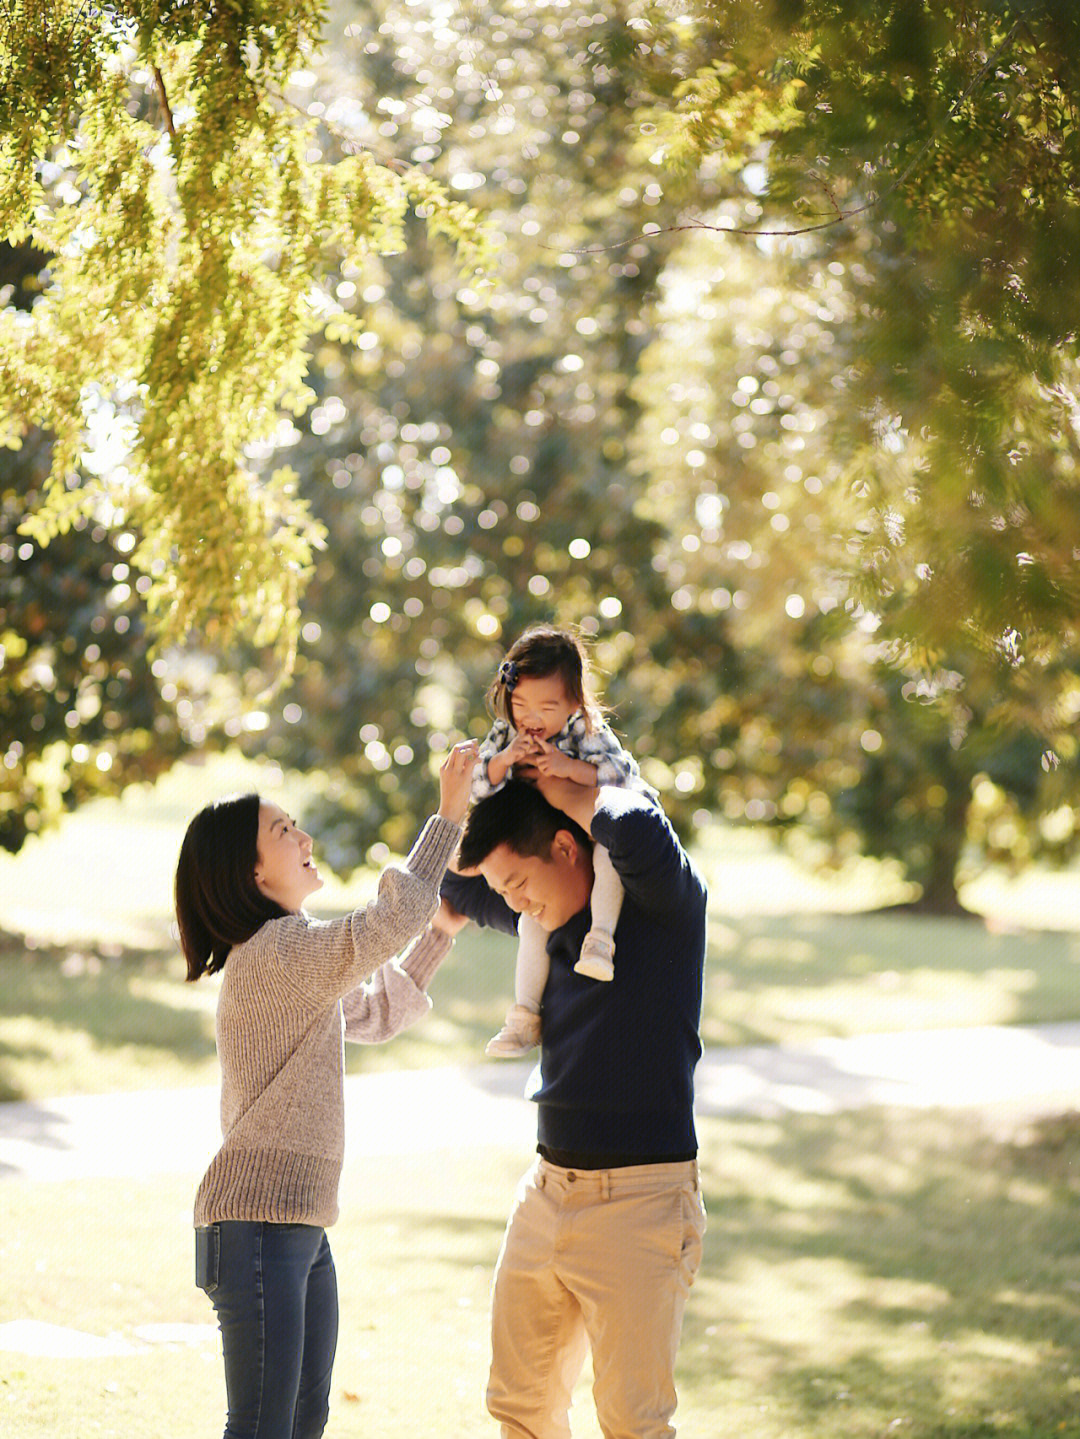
818	512
836	738
474	449
151	151
468	452
932	152
879	397
83	711
173	237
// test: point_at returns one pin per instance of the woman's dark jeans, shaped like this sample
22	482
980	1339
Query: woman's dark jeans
277	1305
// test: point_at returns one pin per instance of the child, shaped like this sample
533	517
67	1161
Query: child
544	707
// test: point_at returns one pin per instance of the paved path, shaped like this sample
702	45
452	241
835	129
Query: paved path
483	1106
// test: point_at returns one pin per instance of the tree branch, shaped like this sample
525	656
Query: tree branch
348	143
163	98
839	215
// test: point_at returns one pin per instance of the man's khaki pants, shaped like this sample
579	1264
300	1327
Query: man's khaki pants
604	1257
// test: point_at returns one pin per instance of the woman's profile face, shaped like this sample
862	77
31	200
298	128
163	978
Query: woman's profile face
284	870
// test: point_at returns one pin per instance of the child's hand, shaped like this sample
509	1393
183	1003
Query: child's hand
521	749
516	752
550	762
455	780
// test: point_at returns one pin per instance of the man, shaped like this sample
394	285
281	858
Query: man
606	1234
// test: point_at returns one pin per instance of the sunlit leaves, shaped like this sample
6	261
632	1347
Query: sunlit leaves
468	447
879	412
81	712
188	219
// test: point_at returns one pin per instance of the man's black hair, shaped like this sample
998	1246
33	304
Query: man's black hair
518	816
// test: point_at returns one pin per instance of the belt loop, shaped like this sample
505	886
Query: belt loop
605	1184
541	1177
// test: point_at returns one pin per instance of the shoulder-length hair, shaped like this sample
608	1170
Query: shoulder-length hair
541	651
218	903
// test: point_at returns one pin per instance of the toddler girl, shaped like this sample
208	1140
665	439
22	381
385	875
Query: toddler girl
543	705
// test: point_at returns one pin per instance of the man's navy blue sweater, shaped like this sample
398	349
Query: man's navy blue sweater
617	1060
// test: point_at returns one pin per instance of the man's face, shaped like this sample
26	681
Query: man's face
551	889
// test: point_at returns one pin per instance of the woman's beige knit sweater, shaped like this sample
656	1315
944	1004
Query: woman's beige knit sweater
289	995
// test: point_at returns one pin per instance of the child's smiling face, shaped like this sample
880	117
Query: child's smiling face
540	705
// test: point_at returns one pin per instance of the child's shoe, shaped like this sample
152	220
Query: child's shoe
597	956
519	1034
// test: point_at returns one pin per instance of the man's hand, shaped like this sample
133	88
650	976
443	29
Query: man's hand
447	919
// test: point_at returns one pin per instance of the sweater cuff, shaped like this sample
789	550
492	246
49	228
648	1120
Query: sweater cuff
434	849
425	955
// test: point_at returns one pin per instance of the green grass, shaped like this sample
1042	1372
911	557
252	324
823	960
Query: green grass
77	1019
865	1275
92	996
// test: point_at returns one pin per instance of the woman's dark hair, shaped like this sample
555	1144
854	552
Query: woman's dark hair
541	651
218	903
518	816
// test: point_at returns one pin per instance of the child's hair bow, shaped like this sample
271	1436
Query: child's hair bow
508	675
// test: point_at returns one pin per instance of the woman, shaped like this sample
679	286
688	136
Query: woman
290	985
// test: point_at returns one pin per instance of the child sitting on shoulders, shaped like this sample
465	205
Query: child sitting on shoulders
546	715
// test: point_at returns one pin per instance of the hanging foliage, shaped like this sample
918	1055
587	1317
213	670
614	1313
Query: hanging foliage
153	154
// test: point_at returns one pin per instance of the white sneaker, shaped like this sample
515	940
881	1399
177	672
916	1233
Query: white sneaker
519	1034
597	956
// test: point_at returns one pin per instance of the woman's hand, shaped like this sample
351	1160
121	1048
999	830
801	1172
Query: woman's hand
455	780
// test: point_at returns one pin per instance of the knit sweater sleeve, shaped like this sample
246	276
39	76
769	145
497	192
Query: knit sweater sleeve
325	959
497	738
396	995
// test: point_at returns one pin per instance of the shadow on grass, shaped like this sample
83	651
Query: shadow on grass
891	1272
787	978
778	978
50	993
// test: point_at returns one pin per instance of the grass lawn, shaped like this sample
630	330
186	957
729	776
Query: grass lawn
880	1273
92	996
866	1275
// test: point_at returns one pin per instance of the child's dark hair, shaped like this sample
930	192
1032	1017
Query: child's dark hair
218	903
541	651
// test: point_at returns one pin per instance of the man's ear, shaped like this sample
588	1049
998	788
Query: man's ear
565	846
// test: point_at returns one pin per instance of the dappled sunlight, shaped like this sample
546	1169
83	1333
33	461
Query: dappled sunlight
92	1020
888	1270
967	1067
781	979
749	873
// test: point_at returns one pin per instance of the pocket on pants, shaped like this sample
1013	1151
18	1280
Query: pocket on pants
207	1257
693	1240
